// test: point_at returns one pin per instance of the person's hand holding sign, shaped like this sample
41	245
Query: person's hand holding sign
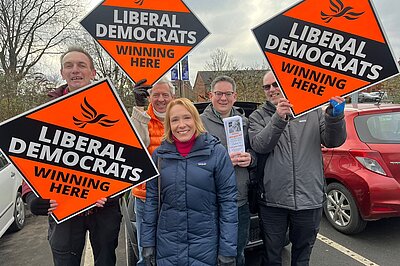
283	108
242	159
141	92
53	206
101	202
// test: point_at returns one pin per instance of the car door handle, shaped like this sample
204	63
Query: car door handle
12	174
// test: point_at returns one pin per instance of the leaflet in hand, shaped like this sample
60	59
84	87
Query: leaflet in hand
234	134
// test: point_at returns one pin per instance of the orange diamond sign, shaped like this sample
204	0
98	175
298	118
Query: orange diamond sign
318	49
145	37
77	149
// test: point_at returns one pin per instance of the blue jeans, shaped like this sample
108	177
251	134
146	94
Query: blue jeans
139	210
243	233
303	230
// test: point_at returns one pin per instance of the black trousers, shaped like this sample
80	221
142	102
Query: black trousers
303	229
67	239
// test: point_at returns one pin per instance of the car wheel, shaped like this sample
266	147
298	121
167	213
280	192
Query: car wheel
341	210
19	214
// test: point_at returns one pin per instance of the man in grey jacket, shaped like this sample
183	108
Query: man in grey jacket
223	96
293	179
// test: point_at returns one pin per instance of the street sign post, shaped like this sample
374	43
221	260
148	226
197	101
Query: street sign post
77	149
145	38
318	49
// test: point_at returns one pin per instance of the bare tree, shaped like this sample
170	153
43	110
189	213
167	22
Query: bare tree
31	92
29	29
248	79
220	60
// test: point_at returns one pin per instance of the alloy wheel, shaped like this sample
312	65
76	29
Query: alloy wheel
338	208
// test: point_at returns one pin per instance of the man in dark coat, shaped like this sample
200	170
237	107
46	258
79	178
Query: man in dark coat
293	180
223	96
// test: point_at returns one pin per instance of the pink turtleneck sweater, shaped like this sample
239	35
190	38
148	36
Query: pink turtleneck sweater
184	147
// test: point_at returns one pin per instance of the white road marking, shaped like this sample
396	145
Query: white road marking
346	251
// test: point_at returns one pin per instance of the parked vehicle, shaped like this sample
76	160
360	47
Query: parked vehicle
12	209
363	175
372	97
381	94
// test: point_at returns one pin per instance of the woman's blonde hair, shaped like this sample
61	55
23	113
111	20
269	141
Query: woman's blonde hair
192	110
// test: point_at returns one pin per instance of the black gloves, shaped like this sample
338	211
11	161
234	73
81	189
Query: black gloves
37	205
149	256
226	261
140	91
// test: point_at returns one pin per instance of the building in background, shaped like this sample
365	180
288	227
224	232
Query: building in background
248	84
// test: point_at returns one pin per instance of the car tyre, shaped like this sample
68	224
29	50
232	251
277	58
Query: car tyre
19	214
341	210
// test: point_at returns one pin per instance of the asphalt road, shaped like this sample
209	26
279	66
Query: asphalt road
379	244
30	246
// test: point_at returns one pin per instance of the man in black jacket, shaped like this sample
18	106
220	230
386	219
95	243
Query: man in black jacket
67	239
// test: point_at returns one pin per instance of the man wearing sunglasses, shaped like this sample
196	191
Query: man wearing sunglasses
223	96
292	180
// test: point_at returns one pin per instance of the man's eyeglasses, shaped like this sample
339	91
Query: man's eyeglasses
267	87
219	94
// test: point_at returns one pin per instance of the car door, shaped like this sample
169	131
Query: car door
8	189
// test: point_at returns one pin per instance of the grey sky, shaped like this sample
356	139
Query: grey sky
230	23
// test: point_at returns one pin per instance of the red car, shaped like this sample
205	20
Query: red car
363	175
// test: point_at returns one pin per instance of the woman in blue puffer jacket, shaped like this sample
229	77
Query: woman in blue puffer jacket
196	223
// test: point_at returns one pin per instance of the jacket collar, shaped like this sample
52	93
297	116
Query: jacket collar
150	112
213	115
58	92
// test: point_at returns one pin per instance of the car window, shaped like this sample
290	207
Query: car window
3	161
379	128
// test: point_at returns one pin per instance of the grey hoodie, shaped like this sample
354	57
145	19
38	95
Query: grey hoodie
215	126
293	173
